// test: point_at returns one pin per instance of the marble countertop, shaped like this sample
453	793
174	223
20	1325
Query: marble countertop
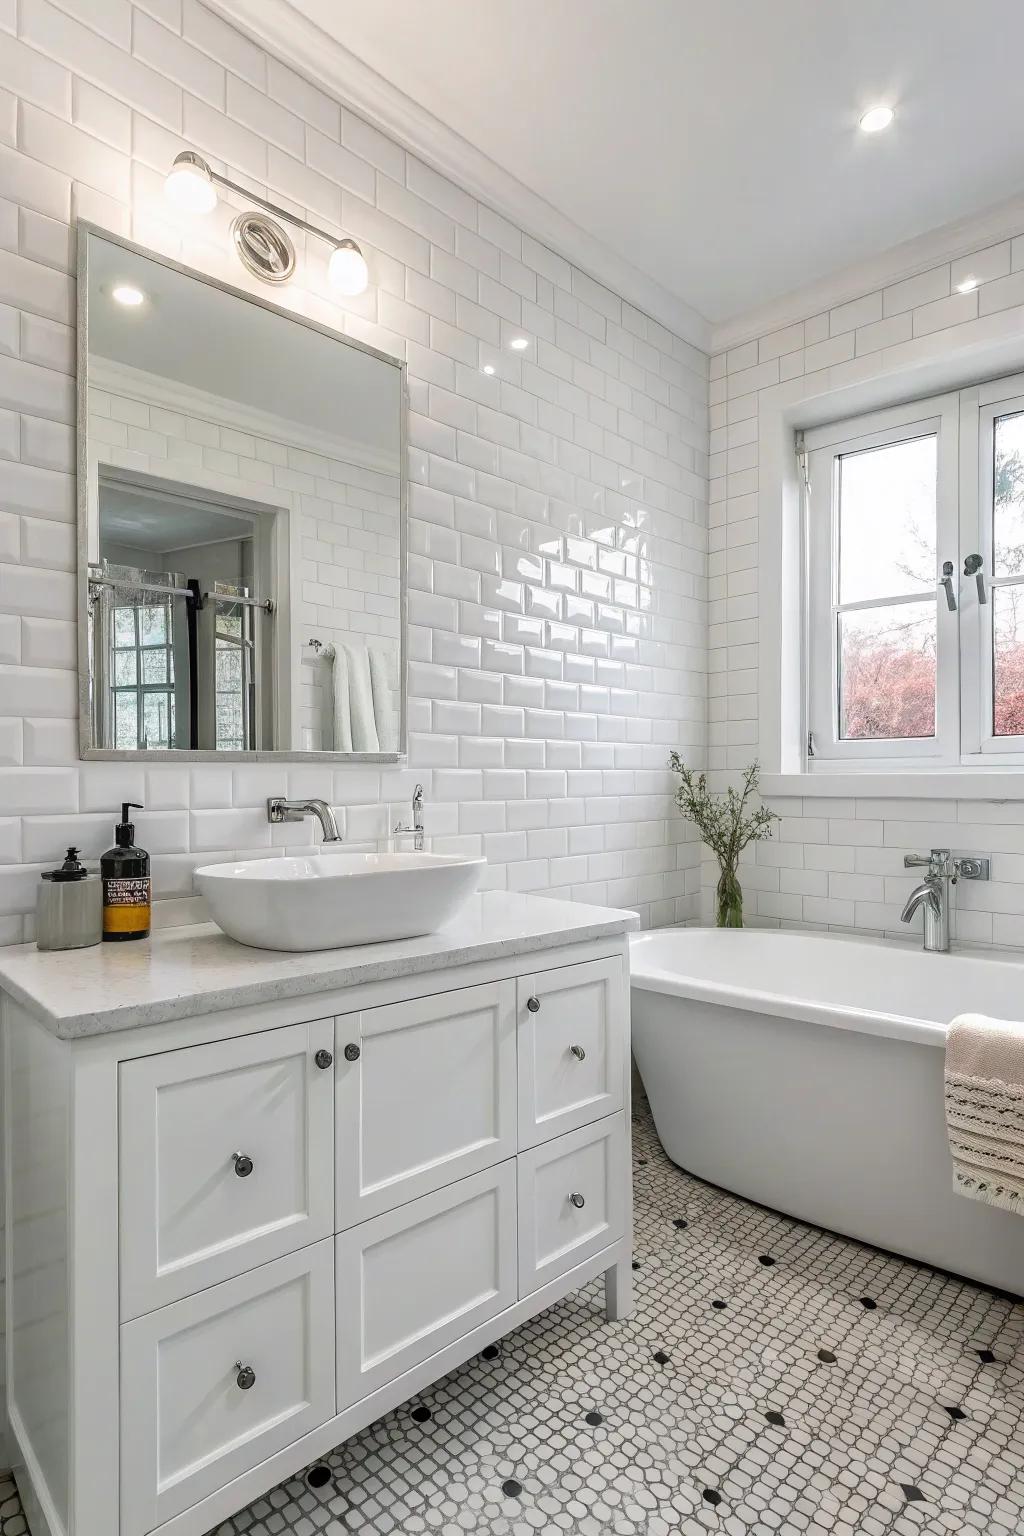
181	973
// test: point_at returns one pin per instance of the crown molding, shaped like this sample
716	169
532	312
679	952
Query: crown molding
328	64
117	378
947	243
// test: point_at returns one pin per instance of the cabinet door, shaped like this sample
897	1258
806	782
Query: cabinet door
418	1278
572	1048
572	1200
226	1159
426	1093
212	1385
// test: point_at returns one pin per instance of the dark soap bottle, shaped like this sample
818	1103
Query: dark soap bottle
127	889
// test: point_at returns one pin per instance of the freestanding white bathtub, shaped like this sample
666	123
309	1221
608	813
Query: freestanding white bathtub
804	1071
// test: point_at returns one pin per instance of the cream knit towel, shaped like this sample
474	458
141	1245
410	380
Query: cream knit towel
985	1109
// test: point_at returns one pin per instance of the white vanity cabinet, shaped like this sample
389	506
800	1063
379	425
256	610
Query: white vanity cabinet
243	1223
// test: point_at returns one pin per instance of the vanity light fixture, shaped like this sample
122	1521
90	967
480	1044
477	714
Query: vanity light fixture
968	285
519	343
191	185
128	295
876	118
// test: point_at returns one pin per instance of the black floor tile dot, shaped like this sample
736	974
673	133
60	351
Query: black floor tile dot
491	1352
774	1417
316	1477
912	1494
711	1496
719	1306
986	1356
765	1259
680	1222
661	1357
511	1488
636	1263
868	1303
826	1357
421	1413
955	1413
595	1418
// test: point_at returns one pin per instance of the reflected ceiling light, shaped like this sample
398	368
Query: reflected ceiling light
519	343
876	118
189	184
968	285
488	367
128	295
347	269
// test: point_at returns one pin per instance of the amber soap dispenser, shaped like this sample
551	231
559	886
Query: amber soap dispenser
127	888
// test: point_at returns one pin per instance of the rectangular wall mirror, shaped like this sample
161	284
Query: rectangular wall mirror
241	522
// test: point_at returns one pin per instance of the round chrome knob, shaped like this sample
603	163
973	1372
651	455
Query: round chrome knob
243	1164
323	1059
351	1053
533	1003
246	1377
578	1201
578	1052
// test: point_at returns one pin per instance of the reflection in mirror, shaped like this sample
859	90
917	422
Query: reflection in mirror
242	525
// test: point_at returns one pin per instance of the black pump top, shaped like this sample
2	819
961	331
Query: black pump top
124	832
71	869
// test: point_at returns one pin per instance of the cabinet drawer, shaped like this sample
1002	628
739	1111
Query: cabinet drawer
426	1094
572	1048
191	1420
417	1278
572	1200
193	1212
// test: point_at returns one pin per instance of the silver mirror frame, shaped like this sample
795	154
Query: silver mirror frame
87	751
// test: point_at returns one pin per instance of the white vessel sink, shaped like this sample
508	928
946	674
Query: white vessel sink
329	901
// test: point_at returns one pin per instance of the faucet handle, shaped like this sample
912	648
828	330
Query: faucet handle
937	862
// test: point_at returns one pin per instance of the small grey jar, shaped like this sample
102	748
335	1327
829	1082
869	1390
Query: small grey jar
69	906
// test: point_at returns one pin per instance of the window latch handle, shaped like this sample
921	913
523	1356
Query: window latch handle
947	582
973	567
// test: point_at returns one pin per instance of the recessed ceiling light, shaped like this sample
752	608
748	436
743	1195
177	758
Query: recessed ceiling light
488	367
877	118
519	343
968	285
128	295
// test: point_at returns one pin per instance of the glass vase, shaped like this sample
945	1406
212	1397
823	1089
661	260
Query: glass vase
728	900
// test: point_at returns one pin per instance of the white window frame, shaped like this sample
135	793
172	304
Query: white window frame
824	447
964	425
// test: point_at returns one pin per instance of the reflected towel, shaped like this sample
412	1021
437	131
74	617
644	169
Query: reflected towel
985	1109
340	691
384	685
362	726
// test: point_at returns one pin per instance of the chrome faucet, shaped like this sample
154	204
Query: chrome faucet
932	895
279	810
417	820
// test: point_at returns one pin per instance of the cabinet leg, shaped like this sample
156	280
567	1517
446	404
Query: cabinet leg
618	1290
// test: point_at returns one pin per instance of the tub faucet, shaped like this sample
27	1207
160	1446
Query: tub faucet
279	809
932	895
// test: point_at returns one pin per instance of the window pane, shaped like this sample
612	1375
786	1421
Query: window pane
126	721
153	625
154	666
887	672
125	669
1008	497
156	712
1008	660
887	520
124	626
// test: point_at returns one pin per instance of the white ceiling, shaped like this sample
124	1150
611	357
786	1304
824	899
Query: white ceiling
713	144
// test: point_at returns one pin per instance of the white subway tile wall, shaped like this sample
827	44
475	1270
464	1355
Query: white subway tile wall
839	863
558	506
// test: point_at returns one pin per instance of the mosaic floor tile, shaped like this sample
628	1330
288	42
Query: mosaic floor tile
774	1378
